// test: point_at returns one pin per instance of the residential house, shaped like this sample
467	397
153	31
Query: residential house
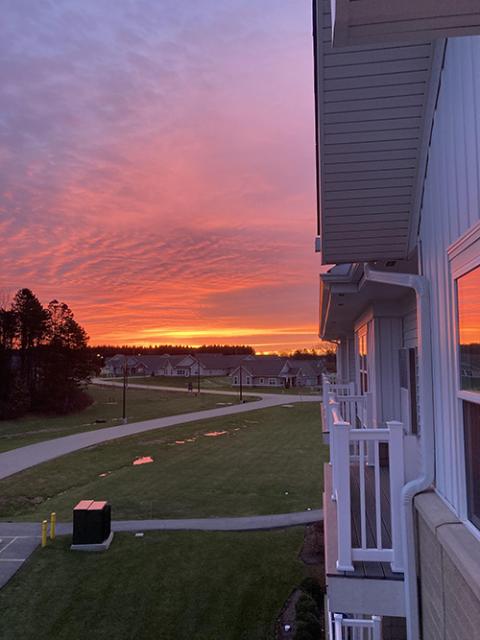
262	371
210	364
156	365
275	371
398	133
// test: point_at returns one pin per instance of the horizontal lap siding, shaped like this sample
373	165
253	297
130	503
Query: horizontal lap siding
451	206
371	104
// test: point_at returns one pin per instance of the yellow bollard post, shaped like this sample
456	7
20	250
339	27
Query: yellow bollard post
53	522
44	533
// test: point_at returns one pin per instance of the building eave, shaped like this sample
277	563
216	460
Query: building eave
374	111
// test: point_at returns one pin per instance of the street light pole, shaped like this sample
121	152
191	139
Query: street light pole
125	374
241	387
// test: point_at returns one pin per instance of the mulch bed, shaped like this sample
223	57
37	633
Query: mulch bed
311	554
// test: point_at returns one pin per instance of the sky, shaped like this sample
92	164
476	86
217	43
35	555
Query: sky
157	167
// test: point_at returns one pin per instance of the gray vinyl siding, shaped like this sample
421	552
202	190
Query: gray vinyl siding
451	205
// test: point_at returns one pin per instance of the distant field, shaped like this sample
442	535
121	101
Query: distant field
215	383
166	585
261	462
142	404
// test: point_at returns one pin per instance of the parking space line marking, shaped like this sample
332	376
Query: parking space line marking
7	545
13	559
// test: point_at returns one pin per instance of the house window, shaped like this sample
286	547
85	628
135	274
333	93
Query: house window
262	380
471	421
235	380
249	380
362	359
468	322
468	288
272	381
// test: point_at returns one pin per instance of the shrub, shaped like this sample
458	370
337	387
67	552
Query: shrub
303	633
306	605
312	624
313	589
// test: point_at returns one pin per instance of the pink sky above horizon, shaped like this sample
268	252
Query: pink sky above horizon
158	168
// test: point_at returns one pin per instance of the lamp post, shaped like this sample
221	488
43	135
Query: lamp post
125	376
241	387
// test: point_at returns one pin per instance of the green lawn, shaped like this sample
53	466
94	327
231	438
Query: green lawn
167	586
142	404
269	461
210	383
215	383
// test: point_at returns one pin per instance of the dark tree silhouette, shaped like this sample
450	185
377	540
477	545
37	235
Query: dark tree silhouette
45	363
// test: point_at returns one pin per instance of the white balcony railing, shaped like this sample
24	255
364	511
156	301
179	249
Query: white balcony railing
368	474
342	628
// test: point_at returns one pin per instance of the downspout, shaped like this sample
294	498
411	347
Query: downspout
427	437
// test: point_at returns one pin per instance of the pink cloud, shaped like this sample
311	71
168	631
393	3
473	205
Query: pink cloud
158	167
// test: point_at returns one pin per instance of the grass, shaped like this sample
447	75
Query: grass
142	404
216	383
269	461
209	383
169	586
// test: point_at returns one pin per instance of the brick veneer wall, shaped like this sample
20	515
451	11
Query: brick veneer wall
450	596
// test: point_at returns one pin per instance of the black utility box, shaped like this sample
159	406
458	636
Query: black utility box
91	522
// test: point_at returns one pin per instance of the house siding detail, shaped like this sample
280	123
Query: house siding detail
450	605
451	205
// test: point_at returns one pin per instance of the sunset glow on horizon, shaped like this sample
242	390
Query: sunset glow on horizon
158	168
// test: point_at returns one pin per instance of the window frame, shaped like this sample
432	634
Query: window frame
463	257
363	371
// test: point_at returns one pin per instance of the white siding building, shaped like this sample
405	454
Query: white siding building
398	129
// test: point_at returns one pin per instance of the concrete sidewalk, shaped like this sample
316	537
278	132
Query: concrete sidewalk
23	458
18	540
247	391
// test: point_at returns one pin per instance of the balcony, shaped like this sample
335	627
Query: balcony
363	484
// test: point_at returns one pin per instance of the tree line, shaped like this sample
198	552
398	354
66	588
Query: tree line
108	351
45	362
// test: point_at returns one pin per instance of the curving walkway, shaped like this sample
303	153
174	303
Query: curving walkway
17	460
18	540
247	391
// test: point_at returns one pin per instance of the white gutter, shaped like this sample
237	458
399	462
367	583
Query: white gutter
427	438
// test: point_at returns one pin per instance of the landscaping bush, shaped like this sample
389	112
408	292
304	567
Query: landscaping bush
311	587
306	605
303	632
308	615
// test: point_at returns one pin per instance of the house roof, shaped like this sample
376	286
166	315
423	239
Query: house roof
345	294
374	110
219	360
263	366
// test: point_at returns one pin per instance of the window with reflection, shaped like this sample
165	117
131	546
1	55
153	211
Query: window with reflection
362	360
468	300
468	291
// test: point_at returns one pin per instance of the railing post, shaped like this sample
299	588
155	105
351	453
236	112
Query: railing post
341	465
376	628
338	619
397	480
333	405
369	422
